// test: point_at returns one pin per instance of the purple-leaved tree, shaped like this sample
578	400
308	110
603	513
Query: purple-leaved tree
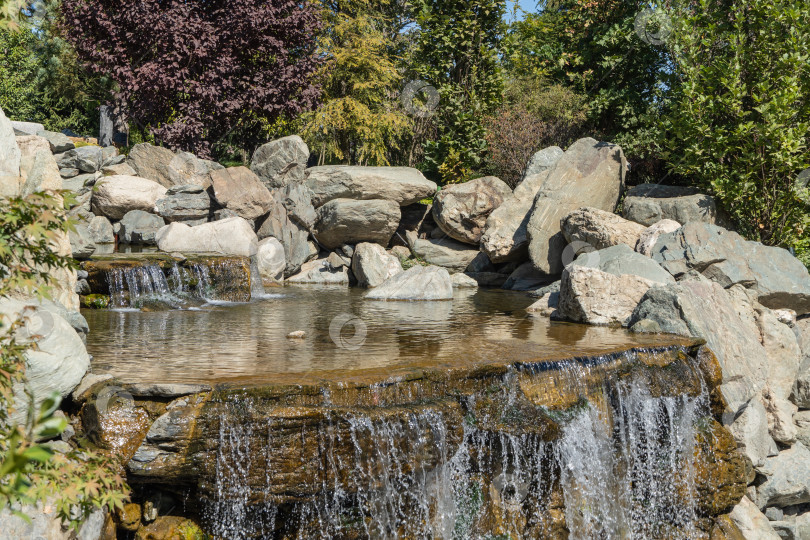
192	72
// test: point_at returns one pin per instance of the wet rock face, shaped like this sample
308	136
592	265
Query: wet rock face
510	439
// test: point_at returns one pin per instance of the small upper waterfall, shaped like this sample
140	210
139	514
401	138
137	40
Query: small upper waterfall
163	281
610	455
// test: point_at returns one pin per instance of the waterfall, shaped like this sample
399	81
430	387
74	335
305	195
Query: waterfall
619	465
176	285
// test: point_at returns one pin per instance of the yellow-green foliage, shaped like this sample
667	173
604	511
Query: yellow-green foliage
359	121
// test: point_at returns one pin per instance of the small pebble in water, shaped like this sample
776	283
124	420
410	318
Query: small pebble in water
298	334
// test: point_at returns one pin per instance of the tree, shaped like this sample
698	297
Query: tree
457	53
594	47
359	121
741	121
191	73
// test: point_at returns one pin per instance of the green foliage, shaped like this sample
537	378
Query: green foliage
591	47
741	123
457	52
533	116
359	121
40	78
30	472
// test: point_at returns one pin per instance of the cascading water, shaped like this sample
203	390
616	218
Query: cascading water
211	279
618	463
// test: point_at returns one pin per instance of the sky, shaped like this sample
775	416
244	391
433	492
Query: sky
526	5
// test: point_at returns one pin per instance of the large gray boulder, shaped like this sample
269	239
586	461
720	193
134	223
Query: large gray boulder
241	191
58	362
81	241
152	162
187	169
26	128
372	265
101	230
597	229
461	210
187	203
87	159
293	236
58	142
725	319
281	162
650	203
787	478
752	522
45	523
649	237
543	160
233	236
139	227
750	430
591	174
505	237
621	260
592	296
347	221
297	199
444	252
9	159
40	172
779	279
402	185
319	272
114	196
416	283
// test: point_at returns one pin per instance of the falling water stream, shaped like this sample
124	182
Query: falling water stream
621	467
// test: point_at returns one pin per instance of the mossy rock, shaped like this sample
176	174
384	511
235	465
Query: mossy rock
95	301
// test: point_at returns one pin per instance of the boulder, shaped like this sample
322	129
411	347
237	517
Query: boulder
461	210
649	237
271	260
591	174
650	203
620	260
26	128
241	191
782	348
598	229
29	145
752	523
463	281
372	265
505	236
779	279
101	230
546	305
347	221
787	478
525	278
319	272
232	236
402	185
281	162
750	430
416	283
592	296
292	236
58	142
793	527
114	196
139	227
151	162
88	159
45	523
40	172
725	319
58	362
802	421
444	252
801	388
71	173
187	169
121	169
543	160
81	241
9	159
187	203
297	199
780	418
